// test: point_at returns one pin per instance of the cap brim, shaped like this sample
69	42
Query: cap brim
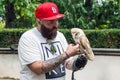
55	17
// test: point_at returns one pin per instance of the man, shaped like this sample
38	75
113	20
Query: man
43	51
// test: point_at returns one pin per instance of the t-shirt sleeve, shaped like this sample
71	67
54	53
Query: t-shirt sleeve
28	50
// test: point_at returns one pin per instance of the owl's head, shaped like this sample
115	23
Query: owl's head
76	33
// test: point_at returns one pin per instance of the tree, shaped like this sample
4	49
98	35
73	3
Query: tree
85	14
108	14
10	15
18	13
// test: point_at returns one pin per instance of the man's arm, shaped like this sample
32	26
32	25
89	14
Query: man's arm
40	67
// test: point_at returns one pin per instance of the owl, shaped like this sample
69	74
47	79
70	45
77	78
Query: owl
80	37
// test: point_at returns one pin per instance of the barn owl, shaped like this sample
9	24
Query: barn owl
80	37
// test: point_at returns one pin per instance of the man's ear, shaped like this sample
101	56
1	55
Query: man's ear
39	21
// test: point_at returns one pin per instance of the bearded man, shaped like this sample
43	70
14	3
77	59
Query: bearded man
43	51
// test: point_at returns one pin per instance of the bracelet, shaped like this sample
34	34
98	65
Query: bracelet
67	54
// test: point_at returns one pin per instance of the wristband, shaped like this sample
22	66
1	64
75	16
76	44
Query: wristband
67	54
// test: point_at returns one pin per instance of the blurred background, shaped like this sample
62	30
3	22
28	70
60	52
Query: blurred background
100	20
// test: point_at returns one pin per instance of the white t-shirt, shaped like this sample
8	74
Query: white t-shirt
33	47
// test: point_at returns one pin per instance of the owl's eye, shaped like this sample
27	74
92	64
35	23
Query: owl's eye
76	34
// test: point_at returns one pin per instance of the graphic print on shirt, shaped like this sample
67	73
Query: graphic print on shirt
48	54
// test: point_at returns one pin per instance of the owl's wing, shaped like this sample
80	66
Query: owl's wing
86	46
81	49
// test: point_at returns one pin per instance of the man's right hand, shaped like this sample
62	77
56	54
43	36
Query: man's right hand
72	49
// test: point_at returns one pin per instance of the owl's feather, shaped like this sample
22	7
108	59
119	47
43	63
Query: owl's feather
80	37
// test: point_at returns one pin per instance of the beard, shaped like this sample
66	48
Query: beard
48	33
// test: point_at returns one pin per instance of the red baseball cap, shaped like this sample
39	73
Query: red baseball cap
48	11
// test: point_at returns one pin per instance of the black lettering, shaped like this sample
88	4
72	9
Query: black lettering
47	50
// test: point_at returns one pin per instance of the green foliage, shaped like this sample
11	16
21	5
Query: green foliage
24	11
85	14
105	38
109	15
10	36
89	15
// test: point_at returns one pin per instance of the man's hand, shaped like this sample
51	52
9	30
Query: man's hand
72	49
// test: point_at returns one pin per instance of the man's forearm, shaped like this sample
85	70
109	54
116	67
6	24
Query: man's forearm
51	64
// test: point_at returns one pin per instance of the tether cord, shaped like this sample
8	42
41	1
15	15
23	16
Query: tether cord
72	78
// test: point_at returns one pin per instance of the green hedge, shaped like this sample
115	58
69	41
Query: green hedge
105	38
10	36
